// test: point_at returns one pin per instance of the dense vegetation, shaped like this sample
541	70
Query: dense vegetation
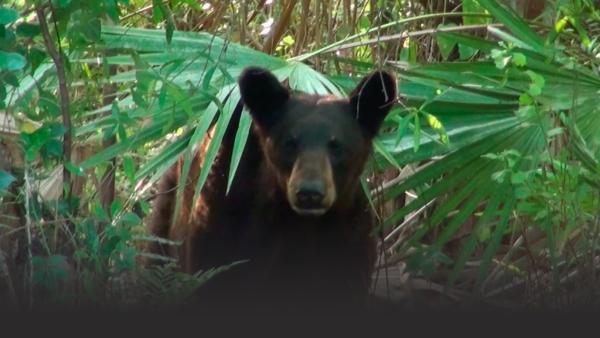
485	178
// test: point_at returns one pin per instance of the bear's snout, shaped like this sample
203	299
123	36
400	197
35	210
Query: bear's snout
310	188
310	194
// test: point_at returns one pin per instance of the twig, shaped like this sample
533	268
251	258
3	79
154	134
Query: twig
402	176
303	29
242	27
414	34
494	275
505	287
29	280
108	187
259	7
62	89
408	221
282	23
139	11
211	23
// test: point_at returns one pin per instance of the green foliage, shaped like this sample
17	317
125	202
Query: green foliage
6	180
508	134
164	284
50	271
547	188
11	56
45	141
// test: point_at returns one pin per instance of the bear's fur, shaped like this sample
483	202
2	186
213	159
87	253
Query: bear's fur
295	210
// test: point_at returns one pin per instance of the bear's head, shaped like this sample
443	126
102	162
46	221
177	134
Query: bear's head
316	145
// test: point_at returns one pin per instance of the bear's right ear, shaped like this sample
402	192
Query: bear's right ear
372	99
262	93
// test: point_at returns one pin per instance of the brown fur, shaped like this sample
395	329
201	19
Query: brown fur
295	261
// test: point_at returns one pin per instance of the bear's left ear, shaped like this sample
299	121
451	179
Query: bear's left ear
372	99
263	94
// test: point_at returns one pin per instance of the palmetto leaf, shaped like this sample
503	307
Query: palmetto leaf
475	102
194	65
515	24
485	98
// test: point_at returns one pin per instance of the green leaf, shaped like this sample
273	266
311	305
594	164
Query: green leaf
100	213
518	177
445	44
516	25
157	11
2	94
11	61
466	52
417	135
6	180
115	207
35	57
28	30
537	83
497	235
11	79
554	132
380	149
61	3
8	15
91	29
115	150
129	168
519	59
48	272
74	169
165	159
288	40
472	6
49	104
241	137
129	218
464	212
409	54
481	226
162	10
52	148
437	126
402	127
232	101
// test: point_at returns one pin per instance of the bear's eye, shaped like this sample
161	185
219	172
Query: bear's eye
335	147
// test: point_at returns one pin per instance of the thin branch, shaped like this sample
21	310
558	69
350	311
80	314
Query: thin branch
62	89
29	280
242	27
405	35
303	28
259	7
378	28
109	91
139	11
108	187
280	26
211	23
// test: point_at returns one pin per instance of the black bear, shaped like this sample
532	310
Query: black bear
295	213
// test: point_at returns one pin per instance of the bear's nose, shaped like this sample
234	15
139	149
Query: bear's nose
310	194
